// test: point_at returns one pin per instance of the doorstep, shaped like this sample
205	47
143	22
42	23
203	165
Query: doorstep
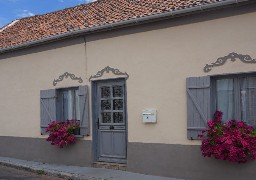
113	166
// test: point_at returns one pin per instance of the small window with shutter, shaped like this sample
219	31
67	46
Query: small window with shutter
234	95
68	104
65	104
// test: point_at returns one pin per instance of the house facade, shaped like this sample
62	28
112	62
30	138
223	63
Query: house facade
177	69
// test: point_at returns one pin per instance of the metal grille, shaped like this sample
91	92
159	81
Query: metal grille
112	104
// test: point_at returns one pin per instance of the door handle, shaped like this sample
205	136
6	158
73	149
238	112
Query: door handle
111	127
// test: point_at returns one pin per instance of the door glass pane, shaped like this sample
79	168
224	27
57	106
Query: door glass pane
225	98
105	105
117	91
106	117
248	100
105	92
118	104
118	117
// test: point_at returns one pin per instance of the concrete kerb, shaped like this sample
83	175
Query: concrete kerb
76	172
45	171
34	170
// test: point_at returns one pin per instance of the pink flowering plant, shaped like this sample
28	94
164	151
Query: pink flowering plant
62	133
233	141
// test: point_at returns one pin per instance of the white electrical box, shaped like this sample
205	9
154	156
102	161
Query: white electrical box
149	116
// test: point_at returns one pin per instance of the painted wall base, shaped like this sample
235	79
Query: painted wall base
36	149
184	161
179	161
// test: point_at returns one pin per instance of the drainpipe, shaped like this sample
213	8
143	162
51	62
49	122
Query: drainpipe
130	22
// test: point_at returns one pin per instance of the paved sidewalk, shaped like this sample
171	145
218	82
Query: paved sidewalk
76	172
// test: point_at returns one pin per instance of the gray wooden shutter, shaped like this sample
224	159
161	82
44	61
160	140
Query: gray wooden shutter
84	110
198	105
48	108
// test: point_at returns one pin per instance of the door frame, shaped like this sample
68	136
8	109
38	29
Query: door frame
94	85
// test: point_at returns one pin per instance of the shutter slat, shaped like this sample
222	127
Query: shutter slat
198	105
48	108
84	110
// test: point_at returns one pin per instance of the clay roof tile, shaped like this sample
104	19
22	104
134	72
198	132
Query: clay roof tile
88	15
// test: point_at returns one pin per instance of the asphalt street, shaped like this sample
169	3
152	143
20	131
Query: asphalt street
9	173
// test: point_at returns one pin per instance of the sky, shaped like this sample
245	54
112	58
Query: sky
16	9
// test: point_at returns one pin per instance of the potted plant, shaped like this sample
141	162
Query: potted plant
63	133
233	141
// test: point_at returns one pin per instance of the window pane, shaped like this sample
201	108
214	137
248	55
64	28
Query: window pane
118	117
65	105
105	105
77	106
59	106
106	117
105	92
117	91
68	100
225	98
248	100
118	104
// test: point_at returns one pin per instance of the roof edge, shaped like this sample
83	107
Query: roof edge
121	23
8	25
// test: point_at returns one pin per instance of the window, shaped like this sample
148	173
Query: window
65	104
68	104
234	95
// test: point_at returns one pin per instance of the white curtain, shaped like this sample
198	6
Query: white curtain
67	105
71	105
248	100
225	98
77	106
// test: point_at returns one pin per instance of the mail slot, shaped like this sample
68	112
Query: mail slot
149	116
147	113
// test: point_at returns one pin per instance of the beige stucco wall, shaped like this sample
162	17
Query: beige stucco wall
157	60
25	73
